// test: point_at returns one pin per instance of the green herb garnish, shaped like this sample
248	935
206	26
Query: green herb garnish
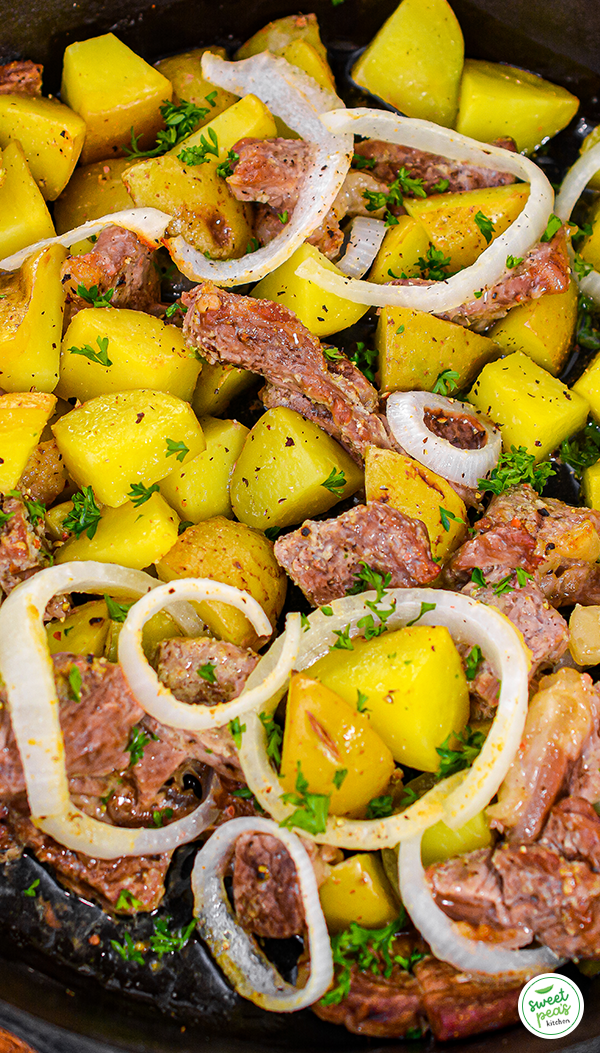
311	809
514	469
139	494
85	514
335	482
178	449
446	382
462	755
100	356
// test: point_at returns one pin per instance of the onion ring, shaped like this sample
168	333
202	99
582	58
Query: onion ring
366	235
573	185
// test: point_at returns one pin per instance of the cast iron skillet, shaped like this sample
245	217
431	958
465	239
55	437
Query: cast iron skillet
49	970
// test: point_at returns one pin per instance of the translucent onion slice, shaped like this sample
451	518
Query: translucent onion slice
573	185
447	944
405	413
149	223
455	800
27	671
237	953
297	99
490	266
156	699
366	236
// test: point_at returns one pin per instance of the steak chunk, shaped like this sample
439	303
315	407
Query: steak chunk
324	557
573	829
118	261
226	669
270	171
21	78
168	748
23	550
265	887
458	1005
379	1006
389	158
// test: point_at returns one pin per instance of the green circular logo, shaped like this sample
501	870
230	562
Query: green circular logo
551	1005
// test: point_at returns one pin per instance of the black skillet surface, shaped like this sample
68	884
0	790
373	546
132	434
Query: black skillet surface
57	990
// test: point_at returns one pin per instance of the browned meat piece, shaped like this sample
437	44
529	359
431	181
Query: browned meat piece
179	661
585	777
270	171
22	547
10	1043
21	78
323	558
391	157
119	261
497	552
378	1006
45	475
168	748
267	338
114	798
573	829
458	1005
265	887
328	236
272	395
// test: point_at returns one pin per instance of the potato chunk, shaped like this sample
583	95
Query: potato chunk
84	631
402	247
277	35
127	437
93	191
440	842
357	890
543	329
217	385
132	535
200	490
24	217
50	134
22	420
584	632
31	317
184	71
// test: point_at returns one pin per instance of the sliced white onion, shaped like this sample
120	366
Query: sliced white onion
445	941
573	185
405	413
149	223
366	236
26	667
455	800
156	698
295	97
490	266
238	954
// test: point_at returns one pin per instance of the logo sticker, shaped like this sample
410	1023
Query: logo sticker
551	1005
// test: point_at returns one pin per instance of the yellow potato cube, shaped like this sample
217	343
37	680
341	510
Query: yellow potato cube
132	536
584	635
413	686
440	842
158	628
542	328
84	631
127	437
115	91
588	387
93	191
338	751
184	71
22	420
322	312
276	36
142	351
498	100
532	408
590	140
402	247
358	890
289	470
31	317
217	385
51	136
24	217
200	489
306	57
590	250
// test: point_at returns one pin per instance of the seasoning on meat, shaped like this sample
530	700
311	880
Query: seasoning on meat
21	78
44	477
120	261
389	158
23	549
265	887
202	670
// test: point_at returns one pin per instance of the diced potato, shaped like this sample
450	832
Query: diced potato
588	387
358	890
84	631
584	635
306	57
276	36
415	61
440	842
532	408
31	317
402	247
127	437
200	490
131	536
418	492
237	555
590	250
22	420
217	385
158	628
142	350
54	520
24	217
542	328
590	140
184	71
325	735
415	687
415	347
591	486
280	475
322	312
115	91
50	134
449	219
93	191
498	100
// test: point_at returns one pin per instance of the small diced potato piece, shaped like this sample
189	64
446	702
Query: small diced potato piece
24	217
127	437
324	735
55	518
158	628
590	250
22	420
50	134
184	71
280	475
449	219
322	312
591	486
415	347
93	191
200	490
142	350
415	687
276	36
532	408
588	386
415	61
403	246
418	492
237	555
84	631
132	536
440	842
542	328
217	385
31	318
590	140
497	100
584	633
303	55
358	890
114	90
248	117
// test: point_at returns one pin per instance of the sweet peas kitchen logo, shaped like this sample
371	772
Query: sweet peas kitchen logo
551	1005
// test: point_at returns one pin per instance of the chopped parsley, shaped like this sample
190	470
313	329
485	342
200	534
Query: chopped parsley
446	382
100	356
434	266
272	533
485	225
162	815
583	450
274	735
380	807
304	622
441	186
425	607
554	225
361	701
400	330
75	682
473	661
237	730
504	585
138	740
335	482
367	578
339	776
343	642
207	672
4	517
513	261
200	155
283	216
225	168
117	612
446	516
94	297
366	359
169	941
581	267
34	508
128	949
463	755
358	161
587	333
515	468
523	576
311	809
174	307
85	514
139	494
31	891
332	354
178	449
371	950
181	120
477	578
253	245
127	900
